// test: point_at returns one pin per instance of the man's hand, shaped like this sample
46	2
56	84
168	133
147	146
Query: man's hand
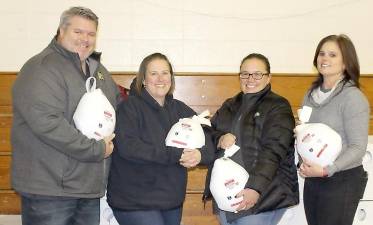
109	146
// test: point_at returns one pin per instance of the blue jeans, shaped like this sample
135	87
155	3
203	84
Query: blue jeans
266	218
149	217
48	210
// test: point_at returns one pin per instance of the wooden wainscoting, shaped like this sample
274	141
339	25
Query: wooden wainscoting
200	91
208	91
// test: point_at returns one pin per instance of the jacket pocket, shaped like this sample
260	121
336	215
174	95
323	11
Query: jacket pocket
83	177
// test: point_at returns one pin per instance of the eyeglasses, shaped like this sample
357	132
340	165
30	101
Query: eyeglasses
256	75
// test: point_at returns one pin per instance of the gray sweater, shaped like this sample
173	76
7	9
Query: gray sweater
346	110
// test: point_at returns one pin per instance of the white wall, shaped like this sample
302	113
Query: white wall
197	35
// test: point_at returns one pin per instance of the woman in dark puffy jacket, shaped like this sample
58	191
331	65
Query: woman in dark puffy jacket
261	123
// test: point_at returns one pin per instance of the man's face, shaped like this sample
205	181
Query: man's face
79	36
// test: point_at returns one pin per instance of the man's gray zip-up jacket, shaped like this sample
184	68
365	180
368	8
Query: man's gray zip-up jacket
49	155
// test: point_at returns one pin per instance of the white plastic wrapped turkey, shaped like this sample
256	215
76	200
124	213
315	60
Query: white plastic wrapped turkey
188	132
94	116
228	178
316	142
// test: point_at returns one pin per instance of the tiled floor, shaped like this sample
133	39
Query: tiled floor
10	220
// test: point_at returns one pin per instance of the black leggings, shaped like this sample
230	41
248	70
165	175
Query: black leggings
334	200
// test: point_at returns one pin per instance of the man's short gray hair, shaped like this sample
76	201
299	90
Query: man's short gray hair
77	11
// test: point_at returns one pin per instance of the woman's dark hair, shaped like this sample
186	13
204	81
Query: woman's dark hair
143	67
349	57
260	57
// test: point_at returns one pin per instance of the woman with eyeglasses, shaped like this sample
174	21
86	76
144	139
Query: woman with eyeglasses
261	123
332	193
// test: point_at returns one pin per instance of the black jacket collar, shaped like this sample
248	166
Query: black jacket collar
237	100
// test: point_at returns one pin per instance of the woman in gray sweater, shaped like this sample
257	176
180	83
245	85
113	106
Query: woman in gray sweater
332	193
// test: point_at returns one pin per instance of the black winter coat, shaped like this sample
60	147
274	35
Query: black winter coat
267	148
145	173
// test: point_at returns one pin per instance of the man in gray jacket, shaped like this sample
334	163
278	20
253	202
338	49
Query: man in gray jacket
59	173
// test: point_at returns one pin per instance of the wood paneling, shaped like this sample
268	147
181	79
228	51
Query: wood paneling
10	203
292	88
195	213
5	109
124	80
5	172
196	179
208	91
6	83
205	90
5	125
